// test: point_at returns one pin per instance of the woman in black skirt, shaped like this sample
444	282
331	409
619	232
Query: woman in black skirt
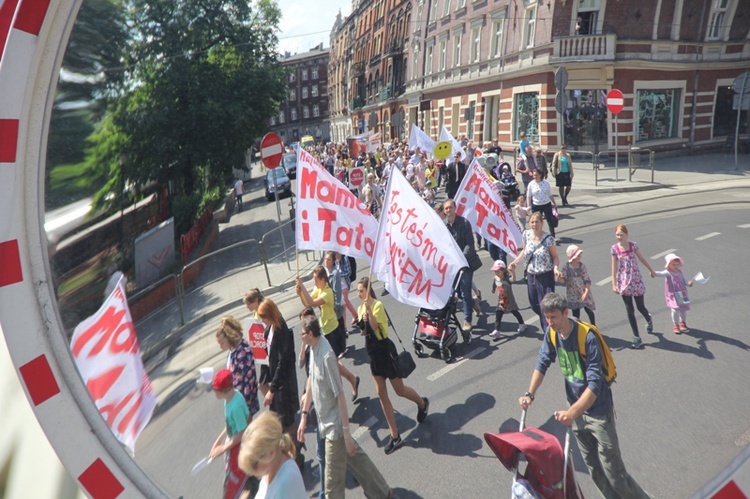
373	322
562	169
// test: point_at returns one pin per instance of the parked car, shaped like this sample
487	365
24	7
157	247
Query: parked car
289	162
283	184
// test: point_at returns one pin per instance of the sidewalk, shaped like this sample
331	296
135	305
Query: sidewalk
225	280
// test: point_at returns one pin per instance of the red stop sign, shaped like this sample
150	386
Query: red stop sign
615	101
356	177
271	150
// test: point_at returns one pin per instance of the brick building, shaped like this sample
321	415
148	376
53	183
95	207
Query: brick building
305	111
486	69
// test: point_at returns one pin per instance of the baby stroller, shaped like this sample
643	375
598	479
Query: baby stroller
549	473
509	190
438	329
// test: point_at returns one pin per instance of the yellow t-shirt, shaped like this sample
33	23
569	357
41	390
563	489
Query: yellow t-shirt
379	310
328	320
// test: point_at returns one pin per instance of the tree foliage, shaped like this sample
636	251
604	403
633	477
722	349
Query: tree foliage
203	76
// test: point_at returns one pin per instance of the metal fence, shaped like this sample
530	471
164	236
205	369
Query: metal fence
634	161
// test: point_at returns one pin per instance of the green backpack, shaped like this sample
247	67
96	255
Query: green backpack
608	362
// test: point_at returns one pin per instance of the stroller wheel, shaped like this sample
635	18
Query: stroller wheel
418	350
466	337
446	354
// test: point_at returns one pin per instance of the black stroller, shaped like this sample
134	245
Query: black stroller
438	329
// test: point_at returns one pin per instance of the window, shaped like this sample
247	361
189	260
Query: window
292	95
434	13
443	50
305	112
469	117
314	72
530	26
304	75
585	119
497	38
725	118
293	114
476	40
292	77
456	50
314	90
304	92
420	12
446	8
716	28
526	115
316	110
429	59
460	4
281	116
658	114
272	121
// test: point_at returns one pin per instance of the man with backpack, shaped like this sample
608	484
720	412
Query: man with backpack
588	369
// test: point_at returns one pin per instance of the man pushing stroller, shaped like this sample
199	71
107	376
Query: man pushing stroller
591	411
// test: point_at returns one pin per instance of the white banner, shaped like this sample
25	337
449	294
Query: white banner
415	256
479	201
106	352
373	142
329	216
418	138
456	145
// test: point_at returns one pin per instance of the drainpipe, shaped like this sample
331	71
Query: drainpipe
424	58
695	76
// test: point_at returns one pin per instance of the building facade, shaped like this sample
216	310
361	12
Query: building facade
487	69
305	111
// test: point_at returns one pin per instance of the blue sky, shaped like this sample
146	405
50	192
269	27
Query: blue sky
306	23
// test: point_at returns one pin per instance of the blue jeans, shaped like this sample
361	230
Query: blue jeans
467	276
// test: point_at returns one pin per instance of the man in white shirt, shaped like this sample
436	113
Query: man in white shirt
239	190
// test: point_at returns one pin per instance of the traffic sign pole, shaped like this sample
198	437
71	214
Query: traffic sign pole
615	103
742	91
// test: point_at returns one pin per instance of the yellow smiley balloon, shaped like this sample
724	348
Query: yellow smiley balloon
443	150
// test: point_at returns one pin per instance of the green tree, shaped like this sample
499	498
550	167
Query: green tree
203	78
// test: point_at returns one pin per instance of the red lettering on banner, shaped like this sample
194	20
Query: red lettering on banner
476	185
353	237
328	192
112	412
109	329
100	385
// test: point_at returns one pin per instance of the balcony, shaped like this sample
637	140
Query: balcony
356	103
584	48
394	49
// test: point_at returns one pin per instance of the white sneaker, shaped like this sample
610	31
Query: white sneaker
521	328
466	326
495	334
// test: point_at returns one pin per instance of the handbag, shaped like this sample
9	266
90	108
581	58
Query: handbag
405	364
474	261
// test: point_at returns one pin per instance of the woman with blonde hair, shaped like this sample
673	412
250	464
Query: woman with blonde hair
240	361
268	453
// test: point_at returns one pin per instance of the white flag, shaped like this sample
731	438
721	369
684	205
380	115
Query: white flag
456	145
478	200
415	255
106	352
418	138
329	216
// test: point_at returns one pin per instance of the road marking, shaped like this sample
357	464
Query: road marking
533	319
604	281
707	236
455	364
744	226
364	427
663	253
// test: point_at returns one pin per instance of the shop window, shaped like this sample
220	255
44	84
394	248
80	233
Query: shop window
585	120
658	114
725	113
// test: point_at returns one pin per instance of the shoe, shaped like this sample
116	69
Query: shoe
467	326
637	343
355	395
650	327
385	292
477	310
683	327
676	329
495	334
479	295
422	413
394	444
521	328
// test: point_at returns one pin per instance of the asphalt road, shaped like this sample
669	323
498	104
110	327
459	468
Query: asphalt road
682	403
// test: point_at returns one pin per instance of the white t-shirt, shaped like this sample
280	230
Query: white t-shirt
287	484
239	187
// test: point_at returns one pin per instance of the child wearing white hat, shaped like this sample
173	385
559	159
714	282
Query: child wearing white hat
578	284
675	291
506	302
